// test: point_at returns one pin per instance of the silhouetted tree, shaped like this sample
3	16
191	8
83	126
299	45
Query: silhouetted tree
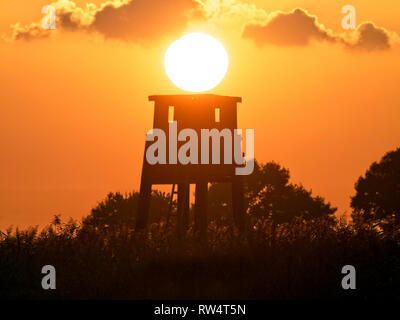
118	211
114	212
159	205
269	195
220	202
376	203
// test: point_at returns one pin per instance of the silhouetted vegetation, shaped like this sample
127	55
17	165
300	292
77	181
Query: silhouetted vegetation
293	246
270	197
377	201
118	211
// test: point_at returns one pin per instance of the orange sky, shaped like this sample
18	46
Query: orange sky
74	109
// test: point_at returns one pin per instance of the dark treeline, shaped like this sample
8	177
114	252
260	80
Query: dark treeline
294	246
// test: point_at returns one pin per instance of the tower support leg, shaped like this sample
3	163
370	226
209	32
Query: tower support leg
144	205
238	202
201	194
183	207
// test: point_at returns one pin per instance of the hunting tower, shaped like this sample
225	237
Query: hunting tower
194	111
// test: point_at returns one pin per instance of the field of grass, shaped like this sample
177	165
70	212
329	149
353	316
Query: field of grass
303	261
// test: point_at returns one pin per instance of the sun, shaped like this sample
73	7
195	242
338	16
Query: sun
196	62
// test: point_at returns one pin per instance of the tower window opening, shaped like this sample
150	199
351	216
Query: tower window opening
171	113
217	115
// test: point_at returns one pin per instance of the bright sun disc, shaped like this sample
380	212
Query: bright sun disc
196	62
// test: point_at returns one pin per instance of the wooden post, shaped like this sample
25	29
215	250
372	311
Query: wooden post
144	205
183	207
238	202
201	199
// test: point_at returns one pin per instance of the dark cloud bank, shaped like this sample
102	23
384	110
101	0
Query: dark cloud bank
148	20
136	20
299	28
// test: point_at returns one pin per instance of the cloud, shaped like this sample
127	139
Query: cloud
371	37
149	20
68	17
143	19
296	28
235	11
130	20
29	32
299	28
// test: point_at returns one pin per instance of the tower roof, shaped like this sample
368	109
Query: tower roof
210	98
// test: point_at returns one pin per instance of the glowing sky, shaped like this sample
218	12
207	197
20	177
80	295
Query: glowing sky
323	101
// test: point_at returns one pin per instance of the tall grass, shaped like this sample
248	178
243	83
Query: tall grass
302	261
